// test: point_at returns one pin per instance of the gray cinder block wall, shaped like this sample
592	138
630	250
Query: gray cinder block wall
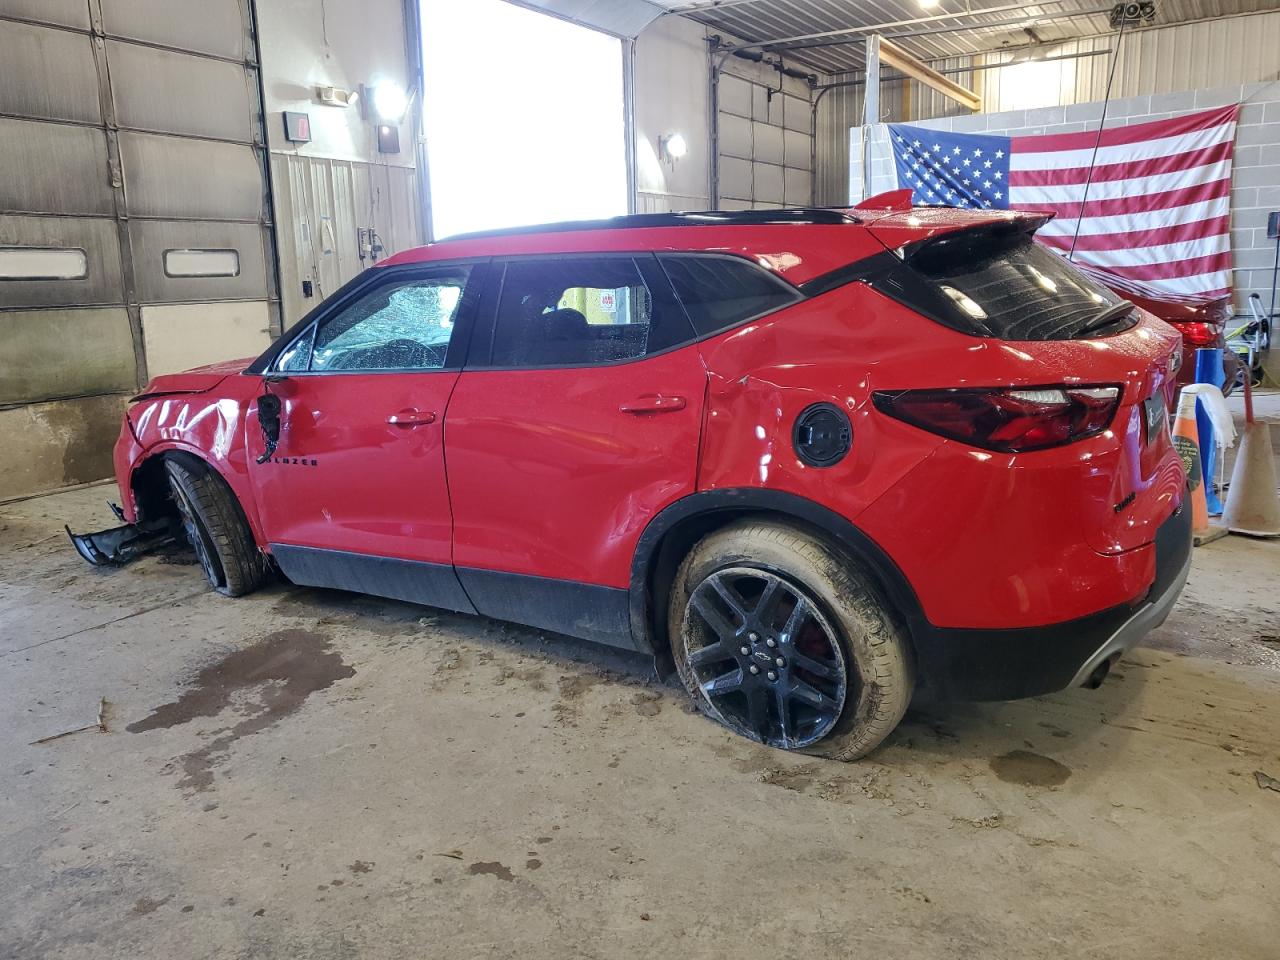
1255	187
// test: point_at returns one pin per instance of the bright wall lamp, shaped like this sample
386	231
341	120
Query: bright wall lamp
389	101
672	147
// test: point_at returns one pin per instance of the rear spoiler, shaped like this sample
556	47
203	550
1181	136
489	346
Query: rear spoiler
980	232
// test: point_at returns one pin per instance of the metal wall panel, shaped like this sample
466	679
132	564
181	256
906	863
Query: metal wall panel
735	136
735	179
180	336
65	353
151	238
53	168
176	177
215	27
1212	53
768	183
797	188
796	150
324	202
49	445
205	98
98	239
67	13
48	73
766	143
735	96
796	115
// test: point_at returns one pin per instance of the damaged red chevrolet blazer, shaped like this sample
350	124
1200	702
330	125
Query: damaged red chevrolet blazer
810	459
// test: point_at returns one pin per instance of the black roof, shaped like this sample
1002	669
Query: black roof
702	218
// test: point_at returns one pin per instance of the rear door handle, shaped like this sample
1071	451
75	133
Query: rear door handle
411	418
655	403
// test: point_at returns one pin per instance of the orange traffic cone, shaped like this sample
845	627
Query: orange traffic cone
1252	506
1186	442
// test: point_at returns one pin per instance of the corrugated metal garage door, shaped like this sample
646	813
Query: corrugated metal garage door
765	143
135	234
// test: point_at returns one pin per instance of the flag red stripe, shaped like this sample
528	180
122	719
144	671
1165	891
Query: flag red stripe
1137	204
1136	133
1156	236
1122	171
1172	268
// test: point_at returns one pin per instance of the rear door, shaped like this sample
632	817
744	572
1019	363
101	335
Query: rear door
576	420
354	496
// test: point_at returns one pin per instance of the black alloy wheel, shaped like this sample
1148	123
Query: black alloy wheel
765	657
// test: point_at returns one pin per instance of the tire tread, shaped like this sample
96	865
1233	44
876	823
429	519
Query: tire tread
861	607
244	566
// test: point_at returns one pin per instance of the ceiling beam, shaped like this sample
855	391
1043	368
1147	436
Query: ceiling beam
892	55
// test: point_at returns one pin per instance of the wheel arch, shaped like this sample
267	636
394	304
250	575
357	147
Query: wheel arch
672	533
150	484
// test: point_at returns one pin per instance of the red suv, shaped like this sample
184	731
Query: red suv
804	457
1201	325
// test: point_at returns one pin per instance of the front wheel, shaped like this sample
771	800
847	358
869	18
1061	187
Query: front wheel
782	640
217	529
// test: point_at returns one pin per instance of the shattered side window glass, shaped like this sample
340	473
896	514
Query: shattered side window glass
397	326
297	355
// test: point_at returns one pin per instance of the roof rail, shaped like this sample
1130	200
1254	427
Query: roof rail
703	218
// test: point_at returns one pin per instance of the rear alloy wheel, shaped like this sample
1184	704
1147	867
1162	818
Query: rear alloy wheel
780	639
217	529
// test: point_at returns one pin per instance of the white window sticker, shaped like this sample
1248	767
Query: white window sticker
42	263
201	263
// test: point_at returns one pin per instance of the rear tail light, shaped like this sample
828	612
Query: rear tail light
1199	334
1010	420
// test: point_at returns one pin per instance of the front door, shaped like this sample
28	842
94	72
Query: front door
576	420
354	496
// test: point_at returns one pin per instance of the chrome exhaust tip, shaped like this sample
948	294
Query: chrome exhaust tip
1099	674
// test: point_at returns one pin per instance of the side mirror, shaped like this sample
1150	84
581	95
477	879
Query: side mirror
269	421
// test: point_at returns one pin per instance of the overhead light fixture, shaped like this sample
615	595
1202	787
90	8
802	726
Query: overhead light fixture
672	147
389	101
929	4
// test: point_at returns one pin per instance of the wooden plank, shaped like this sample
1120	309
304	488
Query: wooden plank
894	56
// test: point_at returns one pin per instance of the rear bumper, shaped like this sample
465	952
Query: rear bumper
965	664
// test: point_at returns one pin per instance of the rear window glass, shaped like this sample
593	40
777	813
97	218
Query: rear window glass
1008	286
719	293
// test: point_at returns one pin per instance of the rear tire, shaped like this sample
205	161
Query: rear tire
217	529
833	670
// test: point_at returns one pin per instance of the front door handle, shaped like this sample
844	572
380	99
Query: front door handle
654	403
411	418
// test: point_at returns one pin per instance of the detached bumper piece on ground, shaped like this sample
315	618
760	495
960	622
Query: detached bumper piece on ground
119	545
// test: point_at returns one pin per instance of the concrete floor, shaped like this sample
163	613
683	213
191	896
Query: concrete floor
307	774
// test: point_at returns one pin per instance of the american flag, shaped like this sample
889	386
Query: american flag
1156	220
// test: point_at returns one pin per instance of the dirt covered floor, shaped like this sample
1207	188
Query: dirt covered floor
308	774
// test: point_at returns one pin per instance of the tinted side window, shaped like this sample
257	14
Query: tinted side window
403	325
718	292
573	311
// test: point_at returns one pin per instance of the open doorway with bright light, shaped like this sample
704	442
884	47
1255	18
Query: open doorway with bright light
524	117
